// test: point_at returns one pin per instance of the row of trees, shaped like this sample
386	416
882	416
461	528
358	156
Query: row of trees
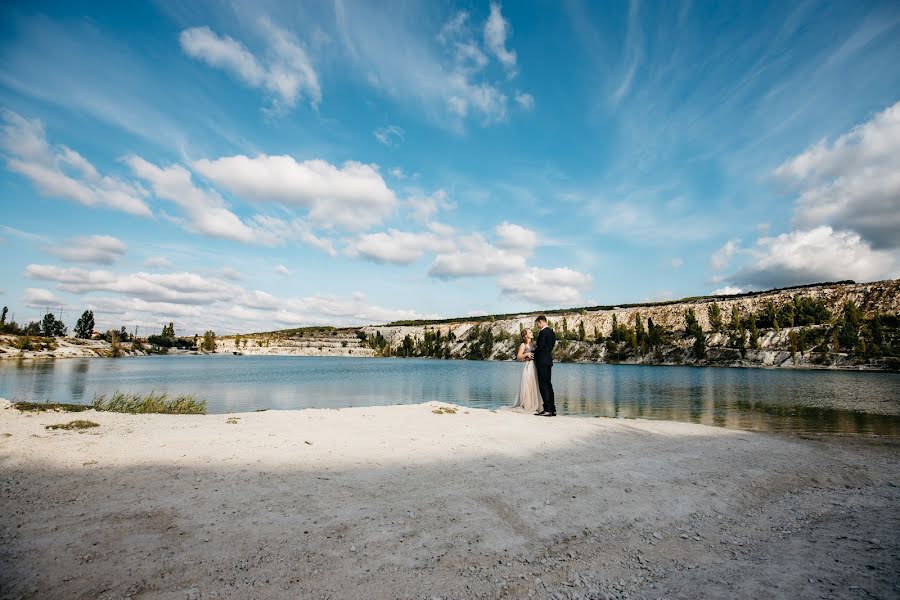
50	326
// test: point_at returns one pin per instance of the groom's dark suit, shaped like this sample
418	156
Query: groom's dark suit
543	363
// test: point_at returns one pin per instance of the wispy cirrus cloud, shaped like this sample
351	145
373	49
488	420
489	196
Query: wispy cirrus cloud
285	72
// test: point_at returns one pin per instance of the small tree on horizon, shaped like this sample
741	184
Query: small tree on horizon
85	325
3	316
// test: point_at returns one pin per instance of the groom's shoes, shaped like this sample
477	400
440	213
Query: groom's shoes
545	413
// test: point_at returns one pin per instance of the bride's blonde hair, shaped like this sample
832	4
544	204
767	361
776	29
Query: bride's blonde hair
525	333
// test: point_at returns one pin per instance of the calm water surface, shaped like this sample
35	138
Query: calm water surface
757	399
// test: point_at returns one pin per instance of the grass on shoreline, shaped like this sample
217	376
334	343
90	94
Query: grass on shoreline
74	425
45	406
121	402
185	404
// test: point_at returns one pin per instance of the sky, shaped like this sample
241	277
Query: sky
248	166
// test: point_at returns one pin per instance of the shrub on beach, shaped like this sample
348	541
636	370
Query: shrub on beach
185	404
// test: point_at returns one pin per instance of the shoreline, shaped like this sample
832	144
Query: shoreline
31	356
401	502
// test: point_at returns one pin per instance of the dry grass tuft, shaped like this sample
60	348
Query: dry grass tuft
74	425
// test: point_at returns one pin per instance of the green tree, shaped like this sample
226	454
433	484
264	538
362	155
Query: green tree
168	331
692	328
849	328
582	335
715	316
50	327
209	341
85	325
3	316
754	333
639	332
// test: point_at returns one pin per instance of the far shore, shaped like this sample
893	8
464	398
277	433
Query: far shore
435	500
100	349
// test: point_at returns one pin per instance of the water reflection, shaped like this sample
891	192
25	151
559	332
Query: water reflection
763	400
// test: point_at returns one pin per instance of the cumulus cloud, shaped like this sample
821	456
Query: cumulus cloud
812	256
60	172
205	209
728	290
475	256
100	249
399	247
42	299
546	286
721	258
353	196
285	72
496	30
283	270
424	208
516	238
852	183
390	135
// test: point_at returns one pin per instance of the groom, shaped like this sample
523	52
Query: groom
543	363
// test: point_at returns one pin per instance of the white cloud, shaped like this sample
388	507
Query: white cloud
205	209
100	249
852	183
390	135
397	173
546	286
177	288
285	72
525	101
352	197
399	247
231	274
42	299
496	30
283	270
157	262
516	238
475	256
813	256
424	208
728	290
676	262
61	172
198	303
721	258
450	82
272	230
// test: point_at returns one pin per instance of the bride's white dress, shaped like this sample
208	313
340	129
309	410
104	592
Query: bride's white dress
529	394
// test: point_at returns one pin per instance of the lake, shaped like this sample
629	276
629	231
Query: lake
753	399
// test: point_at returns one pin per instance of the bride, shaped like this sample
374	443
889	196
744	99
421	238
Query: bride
529	393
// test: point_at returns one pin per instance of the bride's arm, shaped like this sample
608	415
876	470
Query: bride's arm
521	354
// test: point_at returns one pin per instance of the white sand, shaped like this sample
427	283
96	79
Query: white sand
399	502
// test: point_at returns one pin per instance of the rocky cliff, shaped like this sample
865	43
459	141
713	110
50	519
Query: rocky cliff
796	327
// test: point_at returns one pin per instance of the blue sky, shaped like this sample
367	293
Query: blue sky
252	165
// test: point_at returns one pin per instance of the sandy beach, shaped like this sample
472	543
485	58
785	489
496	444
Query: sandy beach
402	502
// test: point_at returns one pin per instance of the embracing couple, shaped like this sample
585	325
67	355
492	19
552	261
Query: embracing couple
536	389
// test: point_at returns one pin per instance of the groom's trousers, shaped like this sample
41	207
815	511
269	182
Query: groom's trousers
546	386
